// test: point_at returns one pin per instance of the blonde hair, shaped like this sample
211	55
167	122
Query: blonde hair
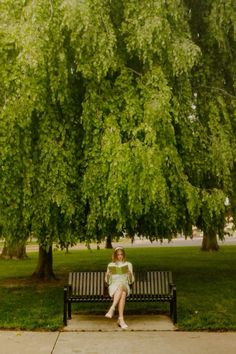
114	255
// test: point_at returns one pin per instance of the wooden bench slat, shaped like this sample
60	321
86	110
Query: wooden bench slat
94	280
86	287
97	285
77	283
84	284
101	283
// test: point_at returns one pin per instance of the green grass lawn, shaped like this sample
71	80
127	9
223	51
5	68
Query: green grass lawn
206	287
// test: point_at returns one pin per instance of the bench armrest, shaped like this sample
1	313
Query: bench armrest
172	288
106	286
68	289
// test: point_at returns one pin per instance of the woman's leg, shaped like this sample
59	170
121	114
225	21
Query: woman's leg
116	301
117	296
121	307
121	304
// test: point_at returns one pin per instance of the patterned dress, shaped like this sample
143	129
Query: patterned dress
115	280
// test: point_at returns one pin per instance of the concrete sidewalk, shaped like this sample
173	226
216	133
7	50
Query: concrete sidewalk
97	335
137	342
99	323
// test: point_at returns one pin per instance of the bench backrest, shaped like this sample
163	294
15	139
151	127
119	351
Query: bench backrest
87	283
152	283
93	283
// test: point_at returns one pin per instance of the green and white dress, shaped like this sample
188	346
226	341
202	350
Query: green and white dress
119	276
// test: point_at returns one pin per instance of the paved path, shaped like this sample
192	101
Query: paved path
99	323
139	242
153	334
137	342
176	242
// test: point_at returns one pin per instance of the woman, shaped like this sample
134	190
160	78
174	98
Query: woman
119	276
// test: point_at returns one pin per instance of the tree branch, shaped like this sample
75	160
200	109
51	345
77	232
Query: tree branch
134	71
220	89
51	9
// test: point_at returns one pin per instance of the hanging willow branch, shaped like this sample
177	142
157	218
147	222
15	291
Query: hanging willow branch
220	89
134	71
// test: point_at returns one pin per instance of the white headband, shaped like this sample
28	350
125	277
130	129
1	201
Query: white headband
119	248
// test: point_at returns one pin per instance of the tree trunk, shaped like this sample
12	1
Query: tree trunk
209	242
44	269
108	242
14	252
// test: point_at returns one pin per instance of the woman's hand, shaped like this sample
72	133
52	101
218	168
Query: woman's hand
108	276
129	274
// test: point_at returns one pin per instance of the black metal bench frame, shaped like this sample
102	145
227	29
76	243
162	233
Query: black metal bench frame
154	286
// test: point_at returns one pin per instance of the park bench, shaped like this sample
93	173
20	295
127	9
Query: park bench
148	286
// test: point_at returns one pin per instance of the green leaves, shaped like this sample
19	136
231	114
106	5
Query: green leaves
158	33
39	144
222	21
115	116
91	36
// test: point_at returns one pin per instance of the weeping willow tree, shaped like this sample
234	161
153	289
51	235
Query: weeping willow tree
105	123
213	26
158	148
14	140
40	130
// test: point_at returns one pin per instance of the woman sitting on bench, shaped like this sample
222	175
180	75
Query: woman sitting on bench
119	276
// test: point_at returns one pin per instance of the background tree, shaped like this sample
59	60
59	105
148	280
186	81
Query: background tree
56	215
43	109
15	167
213	28
134	175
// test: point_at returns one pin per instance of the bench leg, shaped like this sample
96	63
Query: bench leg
171	309
69	310
174	307
65	307
174	314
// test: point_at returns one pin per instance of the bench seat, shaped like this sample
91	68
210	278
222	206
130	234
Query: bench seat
150	286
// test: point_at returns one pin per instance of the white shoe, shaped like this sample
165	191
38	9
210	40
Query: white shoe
122	324
110	313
